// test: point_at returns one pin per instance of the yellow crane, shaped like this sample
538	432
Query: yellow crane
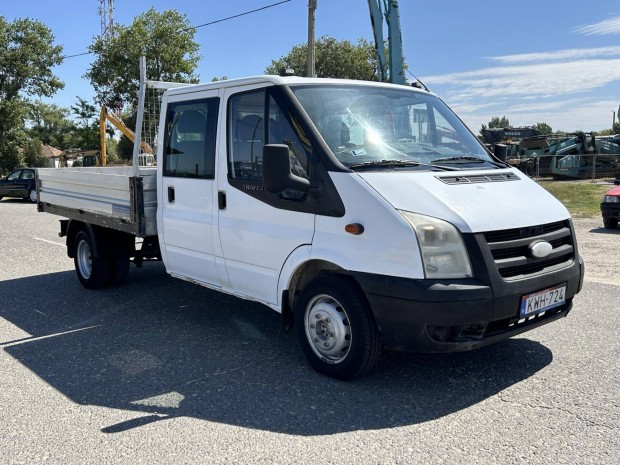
117	123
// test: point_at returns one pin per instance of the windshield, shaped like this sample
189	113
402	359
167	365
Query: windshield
371	125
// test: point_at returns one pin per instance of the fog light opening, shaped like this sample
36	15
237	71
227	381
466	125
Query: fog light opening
440	333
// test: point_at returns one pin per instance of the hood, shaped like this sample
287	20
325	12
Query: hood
614	191
474	201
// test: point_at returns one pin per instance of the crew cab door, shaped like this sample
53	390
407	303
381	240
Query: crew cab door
259	230
187	217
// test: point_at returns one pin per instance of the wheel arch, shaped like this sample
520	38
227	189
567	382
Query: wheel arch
105	241
300	276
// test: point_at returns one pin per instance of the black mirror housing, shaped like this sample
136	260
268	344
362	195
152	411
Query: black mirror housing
277	175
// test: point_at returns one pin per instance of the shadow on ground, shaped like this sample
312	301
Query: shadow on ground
169	348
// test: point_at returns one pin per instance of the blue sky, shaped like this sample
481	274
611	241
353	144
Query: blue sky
556	61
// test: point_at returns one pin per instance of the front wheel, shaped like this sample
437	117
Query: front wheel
93	272
610	223
336	329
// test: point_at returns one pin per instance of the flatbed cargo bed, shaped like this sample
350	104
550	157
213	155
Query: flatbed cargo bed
111	196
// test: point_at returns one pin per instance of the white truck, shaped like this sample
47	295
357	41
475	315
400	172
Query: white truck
366	213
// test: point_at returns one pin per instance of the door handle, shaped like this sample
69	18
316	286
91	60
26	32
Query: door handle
221	200
171	194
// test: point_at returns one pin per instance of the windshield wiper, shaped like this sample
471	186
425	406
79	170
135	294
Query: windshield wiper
395	164
470	159
466	158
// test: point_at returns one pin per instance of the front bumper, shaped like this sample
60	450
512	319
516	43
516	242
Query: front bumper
610	210
452	316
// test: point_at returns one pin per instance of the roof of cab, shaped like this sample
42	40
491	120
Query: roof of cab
280	80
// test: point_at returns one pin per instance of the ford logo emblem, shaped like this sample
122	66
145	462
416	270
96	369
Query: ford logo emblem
540	249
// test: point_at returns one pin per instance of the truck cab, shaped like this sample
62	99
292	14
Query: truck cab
352	206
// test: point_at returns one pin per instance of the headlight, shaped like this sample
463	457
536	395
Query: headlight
610	199
441	245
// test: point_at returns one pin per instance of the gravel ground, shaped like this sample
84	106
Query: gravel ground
598	247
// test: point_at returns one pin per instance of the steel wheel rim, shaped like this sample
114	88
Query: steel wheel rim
328	329
84	259
33	196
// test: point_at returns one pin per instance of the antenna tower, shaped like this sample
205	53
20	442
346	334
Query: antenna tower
106	10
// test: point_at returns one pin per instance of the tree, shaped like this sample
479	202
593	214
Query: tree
496	122
27	57
334	59
33	155
50	124
12	133
544	128
86	135
166	40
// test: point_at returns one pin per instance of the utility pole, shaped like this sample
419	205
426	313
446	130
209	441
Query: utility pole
311	13
613	121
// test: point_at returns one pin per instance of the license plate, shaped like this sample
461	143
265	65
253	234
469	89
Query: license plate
542	300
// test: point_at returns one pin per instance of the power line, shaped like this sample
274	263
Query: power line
237	16
205	24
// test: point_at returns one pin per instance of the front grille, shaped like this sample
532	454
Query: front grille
510	249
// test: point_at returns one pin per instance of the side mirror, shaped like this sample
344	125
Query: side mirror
277	175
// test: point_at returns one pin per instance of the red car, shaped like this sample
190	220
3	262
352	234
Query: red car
610	208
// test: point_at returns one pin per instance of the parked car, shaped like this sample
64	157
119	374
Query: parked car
20	183
610	208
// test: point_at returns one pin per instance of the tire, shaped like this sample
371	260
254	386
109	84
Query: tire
336	329
119	270
32	195
610	223
93	272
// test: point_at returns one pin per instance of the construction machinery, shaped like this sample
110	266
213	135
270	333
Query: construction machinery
147	151
391	69
574	155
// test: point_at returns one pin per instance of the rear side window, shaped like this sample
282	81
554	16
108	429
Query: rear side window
189	150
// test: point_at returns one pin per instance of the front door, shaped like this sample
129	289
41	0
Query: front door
259	230
186	218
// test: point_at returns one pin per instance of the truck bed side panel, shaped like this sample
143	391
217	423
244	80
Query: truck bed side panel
107	196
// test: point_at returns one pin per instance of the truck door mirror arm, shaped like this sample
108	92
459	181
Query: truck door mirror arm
277	175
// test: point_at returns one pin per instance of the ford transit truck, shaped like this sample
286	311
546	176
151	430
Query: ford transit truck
367	214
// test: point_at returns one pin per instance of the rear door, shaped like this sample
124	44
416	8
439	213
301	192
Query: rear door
187	218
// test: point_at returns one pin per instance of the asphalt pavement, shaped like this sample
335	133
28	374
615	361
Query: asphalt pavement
162	371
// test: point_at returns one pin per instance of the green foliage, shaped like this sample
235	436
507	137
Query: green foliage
544	128
333	59
26	60
33	156
86	135
496	122
12	133
581	198
50	124
166	40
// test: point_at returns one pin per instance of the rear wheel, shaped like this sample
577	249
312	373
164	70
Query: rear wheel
93	272
336	329
610	223
32	195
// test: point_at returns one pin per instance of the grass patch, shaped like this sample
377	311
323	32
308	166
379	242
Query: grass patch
581	198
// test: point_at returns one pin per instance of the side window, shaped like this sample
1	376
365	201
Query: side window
14	176
246	132
28	174
255	120
189	150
